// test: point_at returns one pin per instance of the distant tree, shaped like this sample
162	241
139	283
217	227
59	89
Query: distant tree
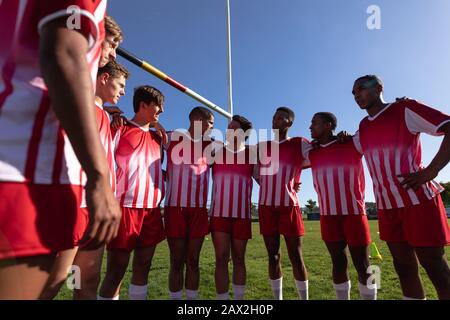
311	206
371	208
446	193
254	210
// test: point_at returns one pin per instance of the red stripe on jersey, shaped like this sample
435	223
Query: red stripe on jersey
33	145
57	164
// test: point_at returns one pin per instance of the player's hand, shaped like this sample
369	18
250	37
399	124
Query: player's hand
118	121
161	132
113	110
315	144
104	214
297	186
344	136
416	179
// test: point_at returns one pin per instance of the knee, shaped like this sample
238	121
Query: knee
192	264
239	261
222	260
274	258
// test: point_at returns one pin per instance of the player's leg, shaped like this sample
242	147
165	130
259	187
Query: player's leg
24	278
117	263
150	234
428	231
58	275
341	282
407	268
222	245
142	262
435	264
360	258
272	244
291	226
177	248
238	248
89	263
357	234
192	280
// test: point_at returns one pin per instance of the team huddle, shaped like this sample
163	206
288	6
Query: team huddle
76	177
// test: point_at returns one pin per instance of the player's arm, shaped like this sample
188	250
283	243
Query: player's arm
66	73
160	131
442	158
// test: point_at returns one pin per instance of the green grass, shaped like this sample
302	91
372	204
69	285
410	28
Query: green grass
316	258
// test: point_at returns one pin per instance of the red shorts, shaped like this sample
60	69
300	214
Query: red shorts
239	229
38	219
139	228
186	222
287	221
422	225
353	229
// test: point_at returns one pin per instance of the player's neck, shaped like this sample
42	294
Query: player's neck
141	121
327	138
281	135
194	134
376	107
99	100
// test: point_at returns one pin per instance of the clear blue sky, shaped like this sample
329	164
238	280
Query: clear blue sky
300	53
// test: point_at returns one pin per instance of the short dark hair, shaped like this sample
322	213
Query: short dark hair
243	122
289	111
114	69
328	117
371	77
201	112
146	94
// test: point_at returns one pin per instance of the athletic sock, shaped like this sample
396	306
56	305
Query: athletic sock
223	296
177	295
367	293
239	291
136	292
191	294
103	298
302	289
342	290
277	288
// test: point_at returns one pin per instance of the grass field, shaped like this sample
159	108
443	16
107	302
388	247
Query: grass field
317	262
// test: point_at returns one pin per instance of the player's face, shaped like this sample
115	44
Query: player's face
109	47
232	127
153	111
207	124
280	121
366	92
115	88
318	127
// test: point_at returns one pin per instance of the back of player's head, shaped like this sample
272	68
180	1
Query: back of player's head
146	94
243	122
371	80
200	112
328	117
114	69
113	29
288	111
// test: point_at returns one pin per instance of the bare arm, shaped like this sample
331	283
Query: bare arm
442	158
66	73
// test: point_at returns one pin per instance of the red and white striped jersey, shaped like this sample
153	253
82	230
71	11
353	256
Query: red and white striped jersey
33	146
232	175
187	171
338	177
391	145
280	166
104	129
138	154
